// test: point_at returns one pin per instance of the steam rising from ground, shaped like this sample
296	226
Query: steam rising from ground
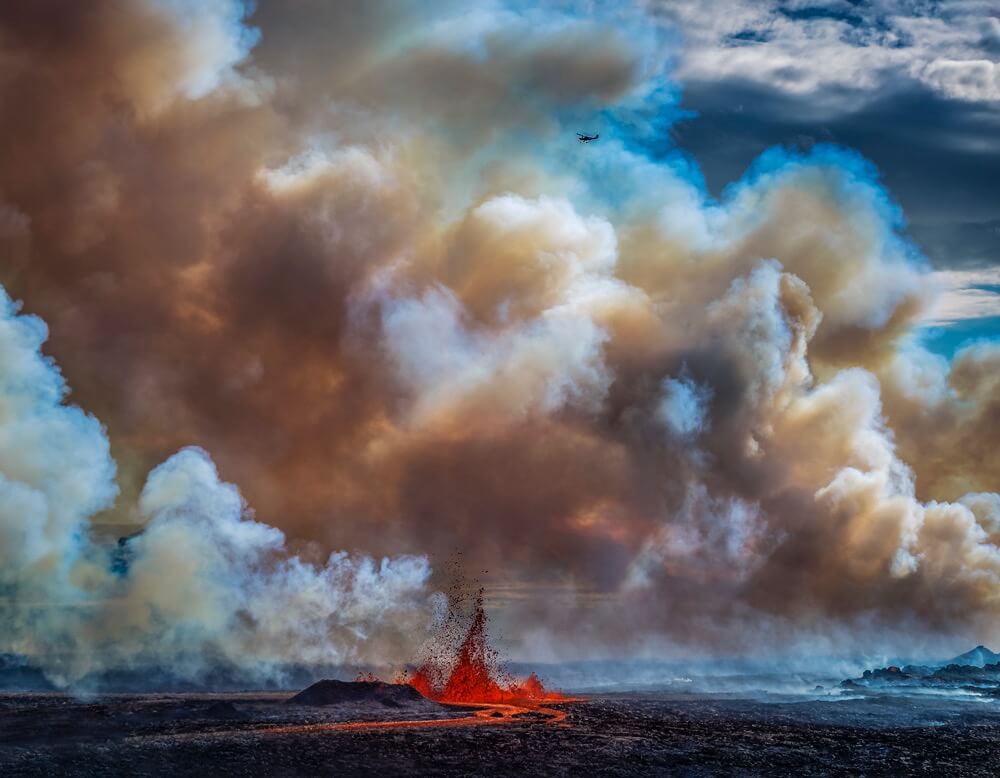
353	250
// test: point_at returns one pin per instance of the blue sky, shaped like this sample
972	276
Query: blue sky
913	85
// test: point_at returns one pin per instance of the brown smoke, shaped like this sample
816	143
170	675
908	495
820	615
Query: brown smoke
364	264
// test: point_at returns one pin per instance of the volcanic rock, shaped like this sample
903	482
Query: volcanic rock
972	670
223	709
890	673
391	695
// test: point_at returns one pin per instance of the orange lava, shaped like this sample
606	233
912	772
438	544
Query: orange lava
467	679
486	715
475	675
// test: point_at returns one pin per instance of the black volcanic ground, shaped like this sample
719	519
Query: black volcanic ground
621	734
932	719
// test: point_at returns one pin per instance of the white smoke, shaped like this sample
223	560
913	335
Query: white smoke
55	466
203	586
565	360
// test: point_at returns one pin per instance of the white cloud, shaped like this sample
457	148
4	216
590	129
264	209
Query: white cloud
973	80
963	296
826	48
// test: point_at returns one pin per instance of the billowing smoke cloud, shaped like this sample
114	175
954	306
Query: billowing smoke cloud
353	250
204	586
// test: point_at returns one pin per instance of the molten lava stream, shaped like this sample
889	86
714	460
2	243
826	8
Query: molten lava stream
488	714
475	681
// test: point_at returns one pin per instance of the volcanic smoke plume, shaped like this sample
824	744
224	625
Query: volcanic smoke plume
351	249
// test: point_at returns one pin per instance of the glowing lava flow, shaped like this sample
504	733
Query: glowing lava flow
475	681
486	714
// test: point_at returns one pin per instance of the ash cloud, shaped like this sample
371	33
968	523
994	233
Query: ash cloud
353	251
204	586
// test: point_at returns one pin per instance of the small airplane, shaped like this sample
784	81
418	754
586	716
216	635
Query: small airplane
587	138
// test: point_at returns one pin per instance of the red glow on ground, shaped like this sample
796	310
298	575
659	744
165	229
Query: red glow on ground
483	715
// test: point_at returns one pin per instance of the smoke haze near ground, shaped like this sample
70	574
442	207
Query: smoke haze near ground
352	254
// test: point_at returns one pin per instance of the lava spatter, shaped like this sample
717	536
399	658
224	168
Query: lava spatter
473	674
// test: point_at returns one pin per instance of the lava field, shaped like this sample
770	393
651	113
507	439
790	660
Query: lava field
621	734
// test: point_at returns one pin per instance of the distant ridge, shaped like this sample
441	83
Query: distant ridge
18	674
980	656
976	672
